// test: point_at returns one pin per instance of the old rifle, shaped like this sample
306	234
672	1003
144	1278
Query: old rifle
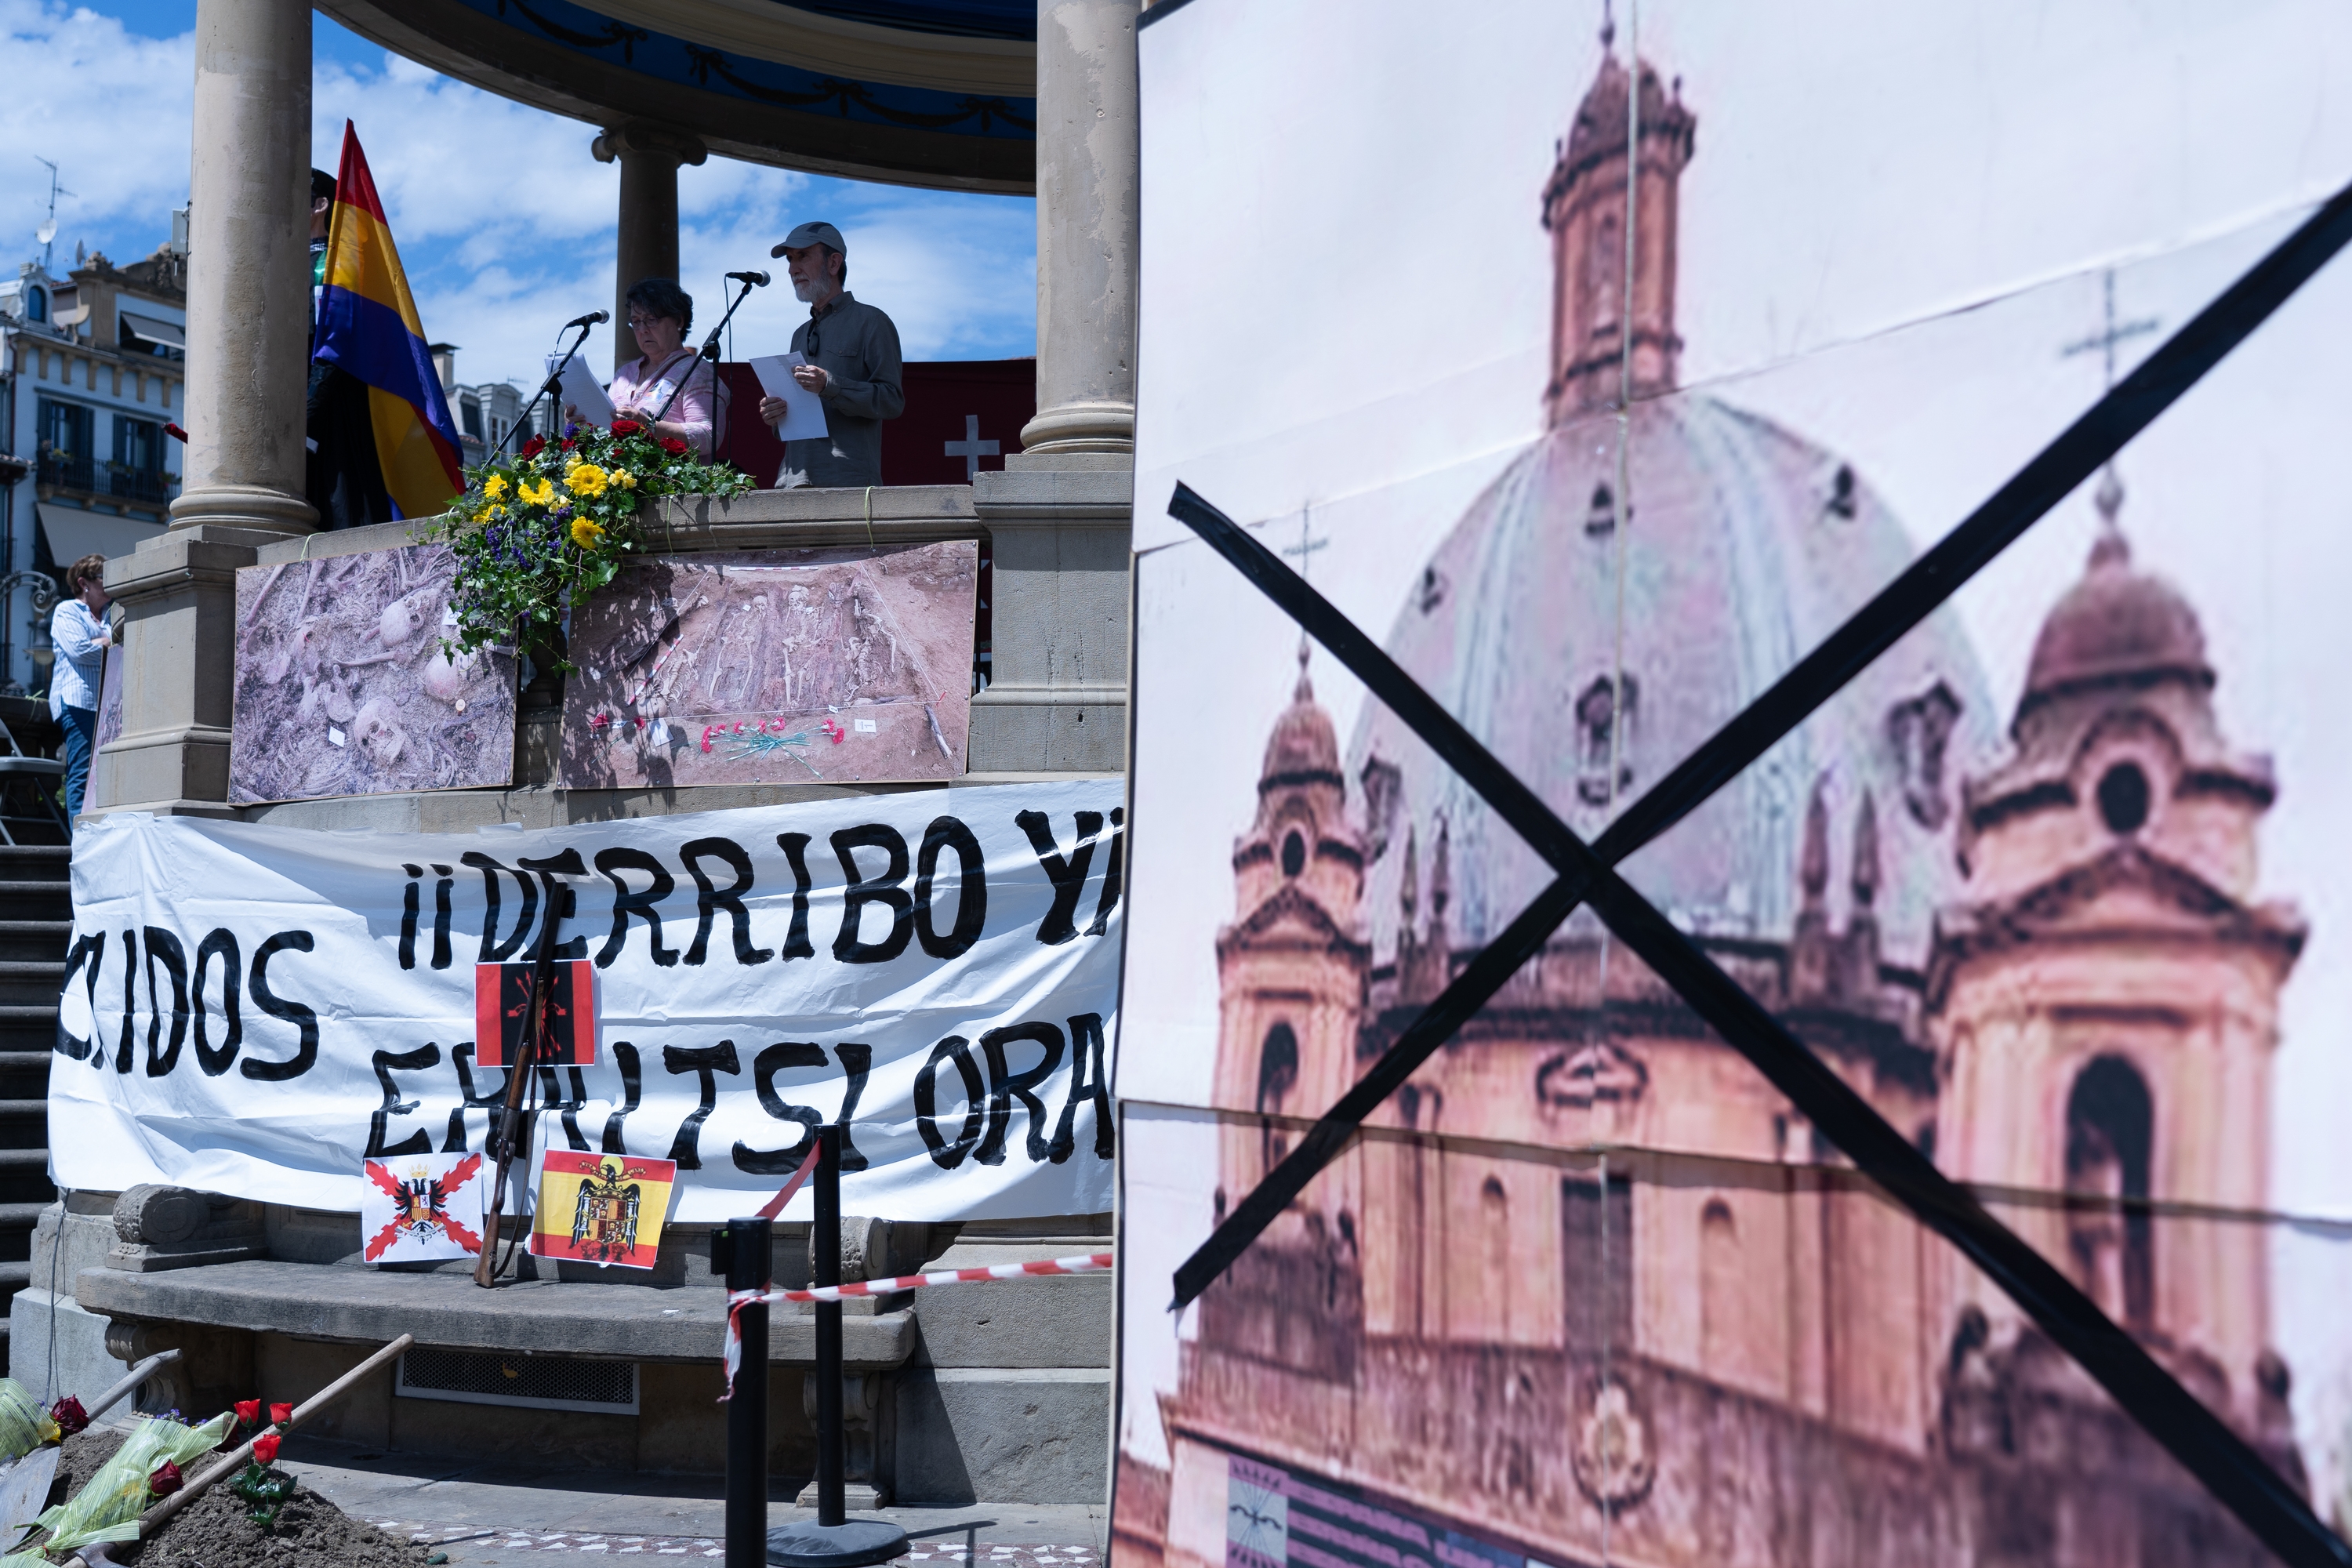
509	1128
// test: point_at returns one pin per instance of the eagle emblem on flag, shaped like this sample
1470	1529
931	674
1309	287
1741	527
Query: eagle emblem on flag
604	1209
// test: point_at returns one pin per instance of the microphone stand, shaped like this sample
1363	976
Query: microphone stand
550	389
709	351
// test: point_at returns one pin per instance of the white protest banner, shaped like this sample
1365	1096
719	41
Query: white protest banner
256	1011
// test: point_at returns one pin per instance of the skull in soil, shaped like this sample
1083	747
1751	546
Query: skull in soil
445	679
404	618
379	733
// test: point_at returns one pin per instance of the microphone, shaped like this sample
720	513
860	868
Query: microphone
757	279
592	318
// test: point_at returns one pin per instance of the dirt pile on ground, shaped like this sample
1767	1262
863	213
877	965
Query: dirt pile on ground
213	1531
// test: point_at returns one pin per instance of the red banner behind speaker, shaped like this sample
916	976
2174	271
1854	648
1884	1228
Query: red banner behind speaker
950	403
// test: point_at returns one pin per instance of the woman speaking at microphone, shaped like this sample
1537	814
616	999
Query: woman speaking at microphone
660	313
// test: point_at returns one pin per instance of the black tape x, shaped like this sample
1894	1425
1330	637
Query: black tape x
2237	1475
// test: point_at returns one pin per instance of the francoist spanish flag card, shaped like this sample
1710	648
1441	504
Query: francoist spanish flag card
502	1012
418	1207
605	1209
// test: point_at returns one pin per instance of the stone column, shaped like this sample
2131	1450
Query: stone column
1060	515
647	247
249	267
248	347
1087	227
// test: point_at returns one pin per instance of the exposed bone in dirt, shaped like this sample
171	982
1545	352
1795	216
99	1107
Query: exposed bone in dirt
344	689
847	665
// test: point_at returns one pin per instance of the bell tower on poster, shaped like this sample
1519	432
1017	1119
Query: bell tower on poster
1585	209
1291	968
2106	1000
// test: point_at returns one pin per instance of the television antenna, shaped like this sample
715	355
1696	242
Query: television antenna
47	233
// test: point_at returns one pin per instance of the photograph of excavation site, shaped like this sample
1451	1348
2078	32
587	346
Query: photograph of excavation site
345	685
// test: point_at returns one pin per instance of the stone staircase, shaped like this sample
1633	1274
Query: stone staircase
35	914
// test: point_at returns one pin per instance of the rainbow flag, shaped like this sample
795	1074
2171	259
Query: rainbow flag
368	328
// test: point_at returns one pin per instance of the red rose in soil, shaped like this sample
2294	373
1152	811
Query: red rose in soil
249	1411
281	1414
626	428
265	1448
165	1480
534	446
673	446
69	1416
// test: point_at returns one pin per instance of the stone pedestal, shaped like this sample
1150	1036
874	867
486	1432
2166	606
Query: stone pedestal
1060	527
649	156
1087	227
179	638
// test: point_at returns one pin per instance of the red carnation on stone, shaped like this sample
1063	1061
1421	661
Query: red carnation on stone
534	446
248	1412
265	1448
69	1416
673	446
165	1480
626	428
281	1414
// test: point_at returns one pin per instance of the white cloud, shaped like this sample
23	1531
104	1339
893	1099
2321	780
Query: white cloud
111	110
504	221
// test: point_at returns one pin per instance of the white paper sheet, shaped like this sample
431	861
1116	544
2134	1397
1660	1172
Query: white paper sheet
804	409
581	392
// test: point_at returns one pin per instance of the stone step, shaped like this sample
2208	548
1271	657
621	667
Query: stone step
24	1124
26	1027
37	941
20	862
25	1075
31	982
15	1276
26	898
24	1177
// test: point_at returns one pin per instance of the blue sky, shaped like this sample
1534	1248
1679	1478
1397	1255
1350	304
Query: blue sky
502	245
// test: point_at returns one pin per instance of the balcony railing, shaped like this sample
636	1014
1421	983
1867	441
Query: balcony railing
118	480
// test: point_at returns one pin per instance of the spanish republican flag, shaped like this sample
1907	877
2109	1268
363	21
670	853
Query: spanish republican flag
368	328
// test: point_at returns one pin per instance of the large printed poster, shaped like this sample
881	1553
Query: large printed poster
256	1011
1607	380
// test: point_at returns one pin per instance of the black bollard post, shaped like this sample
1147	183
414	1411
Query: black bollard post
833	1539
826	1270
744	1250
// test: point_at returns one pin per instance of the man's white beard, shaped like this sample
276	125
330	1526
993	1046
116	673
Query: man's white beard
815	291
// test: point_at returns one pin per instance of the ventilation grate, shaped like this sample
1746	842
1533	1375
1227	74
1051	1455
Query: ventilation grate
535	1383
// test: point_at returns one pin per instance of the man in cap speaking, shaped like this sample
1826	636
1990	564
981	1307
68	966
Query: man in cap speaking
852	352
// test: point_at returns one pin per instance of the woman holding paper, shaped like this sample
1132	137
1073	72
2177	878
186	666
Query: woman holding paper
659	314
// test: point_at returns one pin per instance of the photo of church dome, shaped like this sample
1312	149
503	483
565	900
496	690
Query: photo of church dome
1589	1289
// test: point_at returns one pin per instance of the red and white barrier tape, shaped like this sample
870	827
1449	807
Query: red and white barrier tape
1091	1263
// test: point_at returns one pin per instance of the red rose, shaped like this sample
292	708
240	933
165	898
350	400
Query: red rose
248	1412
165	1480
569	443
534	446
673	446
69	1416
265	1448
626	428
281	1414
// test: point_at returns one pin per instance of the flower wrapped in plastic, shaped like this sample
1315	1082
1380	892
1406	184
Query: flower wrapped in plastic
539	532
23	1424
109	1505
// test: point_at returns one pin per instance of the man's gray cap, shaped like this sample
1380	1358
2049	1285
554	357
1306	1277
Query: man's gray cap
810	234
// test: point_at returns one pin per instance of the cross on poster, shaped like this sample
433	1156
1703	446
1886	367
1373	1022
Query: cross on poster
605	1209
502	998
421	1208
